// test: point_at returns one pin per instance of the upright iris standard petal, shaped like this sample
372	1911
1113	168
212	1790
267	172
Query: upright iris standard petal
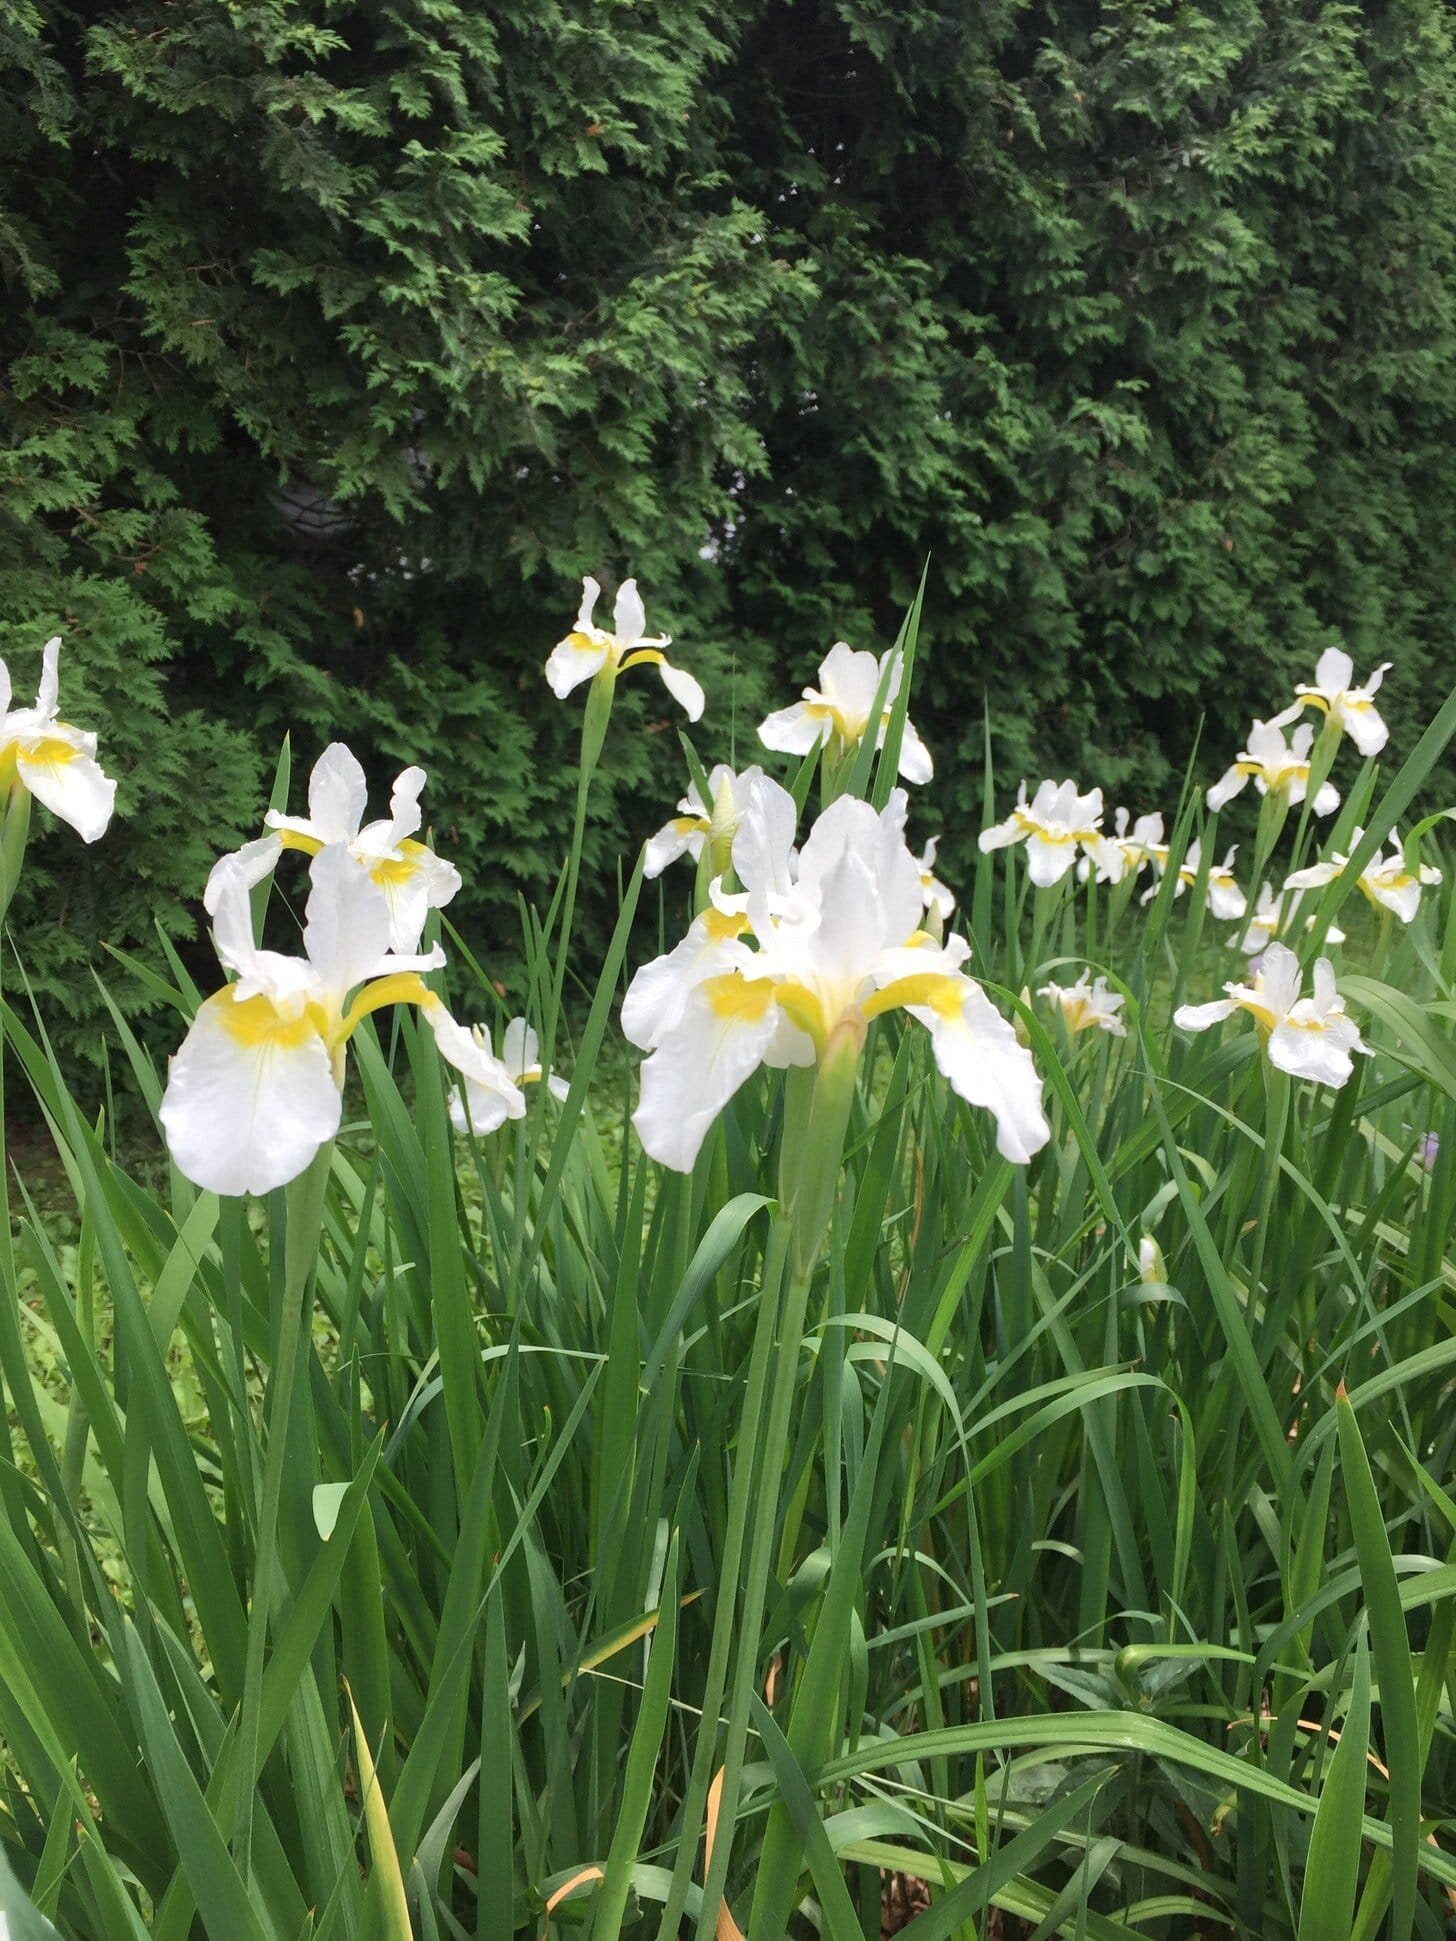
836	715
50	759
1349	707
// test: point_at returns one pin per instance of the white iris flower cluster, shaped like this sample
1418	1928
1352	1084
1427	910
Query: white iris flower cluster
256	1088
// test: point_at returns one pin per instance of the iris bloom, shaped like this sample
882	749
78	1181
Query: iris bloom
816	947
254	1090
1087	1006
937	899
1263	926
835	715
698	823
1308	1037
1385	879
481	1108
1226	900
1125	853
1344	706
413	878
50	759
1051	825
589	650
1151	1269
1275	767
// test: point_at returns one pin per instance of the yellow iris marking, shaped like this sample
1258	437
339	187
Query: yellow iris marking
933	989
257	1024
742	999
848	731
400	987
48	752
390	871
295	839
724	924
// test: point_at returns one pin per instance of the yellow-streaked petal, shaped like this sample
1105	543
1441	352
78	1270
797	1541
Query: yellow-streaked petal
251	1095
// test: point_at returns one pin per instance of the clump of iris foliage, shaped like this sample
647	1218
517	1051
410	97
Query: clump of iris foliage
994	1460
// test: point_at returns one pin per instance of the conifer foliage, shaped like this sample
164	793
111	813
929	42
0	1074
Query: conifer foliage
339	340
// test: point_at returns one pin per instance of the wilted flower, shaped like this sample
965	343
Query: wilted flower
1226	900
1309	1037
836	715
1263	926
1385	880
1345	706
413	878
1126	852
1084	1006
698	823
1276	767
1430	1151
589	650
50	759
254	1090
838	944
939	902
1051	825
481	1108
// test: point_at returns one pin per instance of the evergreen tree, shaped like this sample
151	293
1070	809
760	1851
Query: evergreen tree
340	340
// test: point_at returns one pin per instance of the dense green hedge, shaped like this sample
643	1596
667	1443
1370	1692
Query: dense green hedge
339	340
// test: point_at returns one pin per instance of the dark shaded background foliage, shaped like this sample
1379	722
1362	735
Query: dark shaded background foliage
340	339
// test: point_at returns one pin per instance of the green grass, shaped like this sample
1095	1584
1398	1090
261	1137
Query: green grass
965	1554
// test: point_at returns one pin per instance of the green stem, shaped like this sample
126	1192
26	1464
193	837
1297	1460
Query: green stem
813	1148
742	1496
305	1210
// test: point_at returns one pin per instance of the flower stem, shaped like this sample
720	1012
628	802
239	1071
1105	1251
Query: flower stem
304	1223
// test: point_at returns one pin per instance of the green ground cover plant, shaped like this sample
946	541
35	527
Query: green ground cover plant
978	1444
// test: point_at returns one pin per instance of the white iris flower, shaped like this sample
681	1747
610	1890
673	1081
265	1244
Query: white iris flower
1385	879
1226	900
1051	825
481	1108
1275	767
50	759
1127	852
589	650
1087	1006
254	1090
413	878
1346	707
938	900
836	715
1264	925
698	824
1308	1037
815	948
